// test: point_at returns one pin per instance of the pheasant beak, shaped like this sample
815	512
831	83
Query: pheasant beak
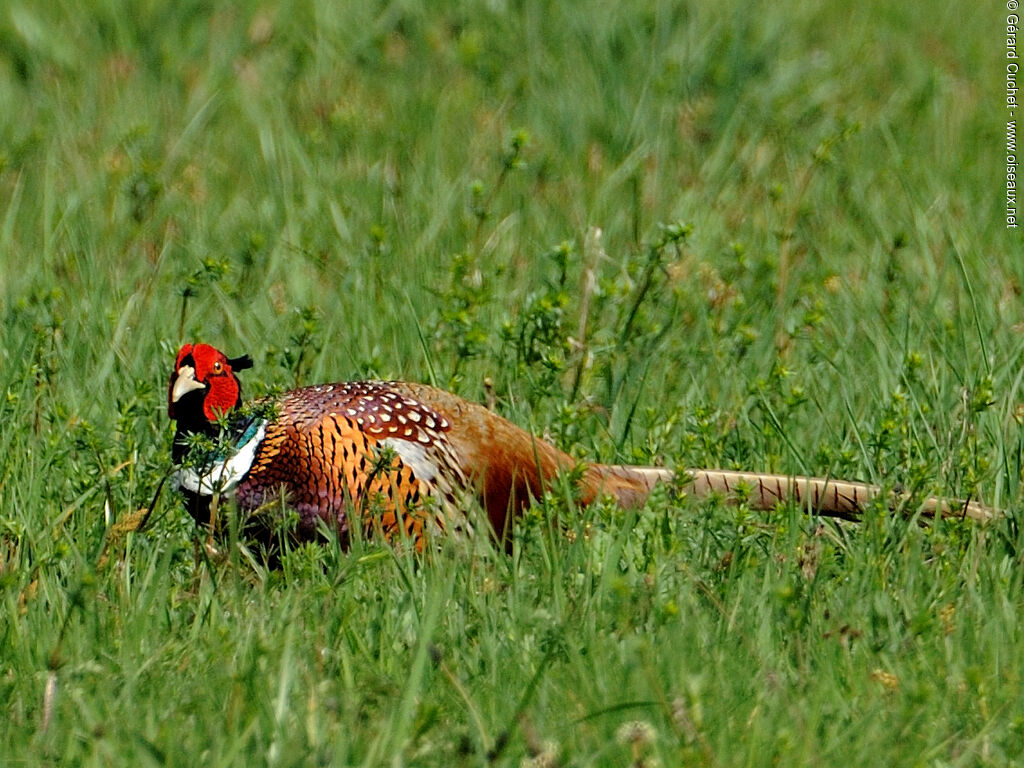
185	382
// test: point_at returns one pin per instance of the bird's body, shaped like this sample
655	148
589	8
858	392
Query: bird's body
403	459
395	455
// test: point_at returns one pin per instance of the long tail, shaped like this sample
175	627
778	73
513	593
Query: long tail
630	486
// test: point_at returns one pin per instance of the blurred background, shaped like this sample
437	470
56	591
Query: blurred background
758	235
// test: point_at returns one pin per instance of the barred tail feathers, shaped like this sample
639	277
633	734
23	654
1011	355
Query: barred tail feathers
630	486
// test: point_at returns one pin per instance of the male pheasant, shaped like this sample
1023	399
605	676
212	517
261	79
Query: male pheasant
402	458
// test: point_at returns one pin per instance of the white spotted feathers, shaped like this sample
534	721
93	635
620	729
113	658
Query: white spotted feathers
324	447
381	412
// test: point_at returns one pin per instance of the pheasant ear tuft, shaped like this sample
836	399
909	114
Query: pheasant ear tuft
240	363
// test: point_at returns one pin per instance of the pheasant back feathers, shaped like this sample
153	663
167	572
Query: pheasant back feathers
358	449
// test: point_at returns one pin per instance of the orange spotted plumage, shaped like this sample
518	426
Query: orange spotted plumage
327	448
403	459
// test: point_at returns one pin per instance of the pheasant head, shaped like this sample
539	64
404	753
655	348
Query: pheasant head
203	387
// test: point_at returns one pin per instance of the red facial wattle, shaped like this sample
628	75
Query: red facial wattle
212	371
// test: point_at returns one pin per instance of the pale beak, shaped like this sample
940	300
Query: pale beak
185	383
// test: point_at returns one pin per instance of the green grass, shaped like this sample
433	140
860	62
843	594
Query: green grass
762	237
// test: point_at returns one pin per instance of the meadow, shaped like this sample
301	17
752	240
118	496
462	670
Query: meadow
751	235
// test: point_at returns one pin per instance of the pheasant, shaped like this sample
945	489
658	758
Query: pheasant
405	459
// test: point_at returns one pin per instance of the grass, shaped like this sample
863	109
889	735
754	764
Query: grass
762	236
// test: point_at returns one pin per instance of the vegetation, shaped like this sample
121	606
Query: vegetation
766	236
